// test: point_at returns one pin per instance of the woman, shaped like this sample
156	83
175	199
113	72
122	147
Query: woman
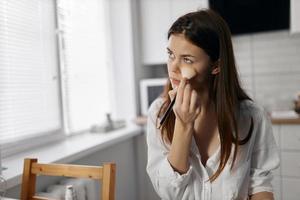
216	143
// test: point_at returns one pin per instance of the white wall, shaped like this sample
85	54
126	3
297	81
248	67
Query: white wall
269	64
122	58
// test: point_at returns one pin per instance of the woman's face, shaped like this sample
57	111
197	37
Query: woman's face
183	53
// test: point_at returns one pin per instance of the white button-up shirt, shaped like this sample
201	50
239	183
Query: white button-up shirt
252	172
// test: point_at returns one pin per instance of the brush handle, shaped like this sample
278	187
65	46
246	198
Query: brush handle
167	113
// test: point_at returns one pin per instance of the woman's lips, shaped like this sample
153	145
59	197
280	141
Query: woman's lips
175	81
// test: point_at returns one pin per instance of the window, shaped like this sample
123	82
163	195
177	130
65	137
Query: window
84	56
50	86
29	86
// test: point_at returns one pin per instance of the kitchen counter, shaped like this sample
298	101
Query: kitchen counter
285	120
66	151
285	117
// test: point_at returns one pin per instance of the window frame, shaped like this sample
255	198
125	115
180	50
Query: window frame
22	144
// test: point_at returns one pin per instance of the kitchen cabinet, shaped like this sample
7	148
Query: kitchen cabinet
295	16
181	7
287	178
155	21
156	18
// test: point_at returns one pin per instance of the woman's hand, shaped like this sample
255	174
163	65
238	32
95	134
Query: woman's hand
186	107
186	110
262	196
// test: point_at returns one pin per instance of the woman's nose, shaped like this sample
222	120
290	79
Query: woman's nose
174	65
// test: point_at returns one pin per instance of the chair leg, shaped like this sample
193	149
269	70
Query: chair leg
108	182
28	180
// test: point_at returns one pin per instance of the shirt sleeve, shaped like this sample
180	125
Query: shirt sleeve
168	183
265	157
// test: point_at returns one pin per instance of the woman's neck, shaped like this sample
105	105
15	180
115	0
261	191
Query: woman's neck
206	105
207	119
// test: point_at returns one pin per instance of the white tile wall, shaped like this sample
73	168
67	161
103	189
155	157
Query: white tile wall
276	52
269	65
277	188
243	54
290	189
277	90
290	138
290	164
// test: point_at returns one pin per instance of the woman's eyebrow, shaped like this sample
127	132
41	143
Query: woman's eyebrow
169	49
182	55
187	55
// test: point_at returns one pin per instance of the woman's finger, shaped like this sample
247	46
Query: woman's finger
193	101
180	90
186	97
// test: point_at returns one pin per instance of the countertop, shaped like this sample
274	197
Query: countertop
66	151
285	117
283	121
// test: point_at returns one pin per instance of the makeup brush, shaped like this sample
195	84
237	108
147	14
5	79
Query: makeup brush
187	73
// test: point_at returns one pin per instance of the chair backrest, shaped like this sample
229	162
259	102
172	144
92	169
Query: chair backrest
32	168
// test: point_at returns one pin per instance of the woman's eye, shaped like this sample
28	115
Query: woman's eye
171	55
188	61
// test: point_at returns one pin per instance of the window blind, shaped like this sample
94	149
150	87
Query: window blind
84	58
29	88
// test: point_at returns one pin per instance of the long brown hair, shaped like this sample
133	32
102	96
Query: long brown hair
209	31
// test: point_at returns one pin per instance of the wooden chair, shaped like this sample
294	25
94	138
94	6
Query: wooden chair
32	168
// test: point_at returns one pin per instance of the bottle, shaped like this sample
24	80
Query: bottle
70	194
2	187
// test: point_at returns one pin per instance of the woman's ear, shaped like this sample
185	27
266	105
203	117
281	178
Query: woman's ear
215	71
216	68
